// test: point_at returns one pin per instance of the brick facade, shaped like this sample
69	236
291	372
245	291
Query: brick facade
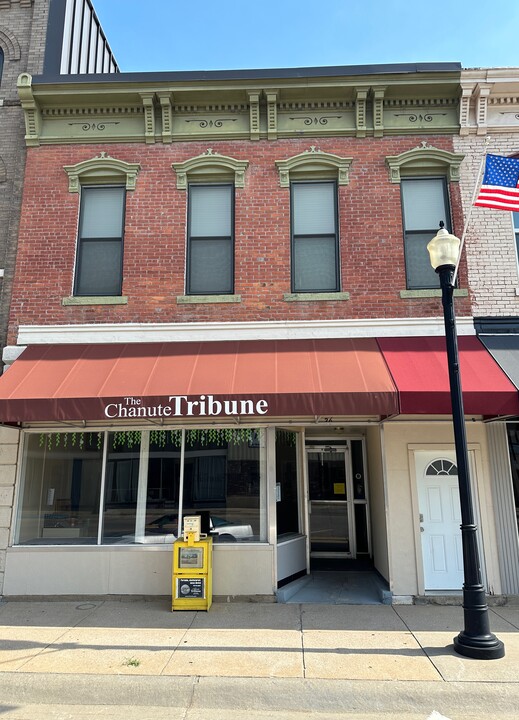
23	25
22	37
371	243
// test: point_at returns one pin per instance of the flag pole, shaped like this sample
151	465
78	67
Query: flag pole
469	215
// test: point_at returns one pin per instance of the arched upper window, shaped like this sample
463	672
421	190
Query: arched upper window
1	63
442	467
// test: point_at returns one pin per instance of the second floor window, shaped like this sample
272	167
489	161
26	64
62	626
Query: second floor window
315	239
100	242
424	204
210	252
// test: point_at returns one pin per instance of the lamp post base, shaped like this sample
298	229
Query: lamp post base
485	647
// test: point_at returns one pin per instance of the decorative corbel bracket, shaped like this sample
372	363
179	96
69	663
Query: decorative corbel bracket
254	114
149	117
360	110
272	114
166	106
31	110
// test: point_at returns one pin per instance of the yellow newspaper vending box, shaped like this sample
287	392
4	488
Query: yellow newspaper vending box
192	568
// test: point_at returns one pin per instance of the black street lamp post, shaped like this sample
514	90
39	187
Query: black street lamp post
475	640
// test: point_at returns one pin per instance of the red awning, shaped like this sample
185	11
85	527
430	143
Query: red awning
419	368
198	380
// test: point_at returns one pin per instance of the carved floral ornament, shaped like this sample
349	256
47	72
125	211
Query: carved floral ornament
314	163
424	159
210	166
101	169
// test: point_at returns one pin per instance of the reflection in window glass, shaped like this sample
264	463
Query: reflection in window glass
121	486
163	488
224	479
61	489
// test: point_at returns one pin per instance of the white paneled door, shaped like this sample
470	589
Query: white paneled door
440	519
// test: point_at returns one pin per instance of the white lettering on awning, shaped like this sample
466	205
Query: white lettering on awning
183	406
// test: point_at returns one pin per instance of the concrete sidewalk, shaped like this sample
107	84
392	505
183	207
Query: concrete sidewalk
44	645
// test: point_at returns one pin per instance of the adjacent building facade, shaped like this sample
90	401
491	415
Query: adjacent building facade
223	305
489	123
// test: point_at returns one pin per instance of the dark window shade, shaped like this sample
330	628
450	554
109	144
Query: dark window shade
210	263
100	242
315	252
424	205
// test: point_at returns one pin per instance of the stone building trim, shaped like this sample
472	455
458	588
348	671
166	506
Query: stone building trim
424	159
490	101
210	166
8	4
9	44
102	170
314	163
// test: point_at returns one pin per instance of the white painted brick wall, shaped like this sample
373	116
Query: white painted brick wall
490	241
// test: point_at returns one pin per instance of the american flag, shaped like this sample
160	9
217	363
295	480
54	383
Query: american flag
500	188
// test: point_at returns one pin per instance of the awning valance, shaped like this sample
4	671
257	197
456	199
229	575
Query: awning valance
206	380
419	368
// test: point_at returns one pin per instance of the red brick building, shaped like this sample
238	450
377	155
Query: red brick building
227	307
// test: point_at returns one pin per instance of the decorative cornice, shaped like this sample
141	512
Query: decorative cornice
101	170
424	159
203	108
314	163
210	165
488	100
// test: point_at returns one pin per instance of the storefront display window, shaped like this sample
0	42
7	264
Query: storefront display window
151	480
61	489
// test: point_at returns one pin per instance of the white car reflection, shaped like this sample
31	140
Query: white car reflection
161	530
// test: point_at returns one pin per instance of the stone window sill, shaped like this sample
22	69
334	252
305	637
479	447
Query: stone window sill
316	297
201	299
96	300
406	294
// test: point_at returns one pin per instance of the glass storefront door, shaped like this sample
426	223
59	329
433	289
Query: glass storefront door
332	521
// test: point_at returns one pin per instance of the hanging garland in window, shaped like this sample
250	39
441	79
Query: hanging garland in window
286	437
131	439
81	440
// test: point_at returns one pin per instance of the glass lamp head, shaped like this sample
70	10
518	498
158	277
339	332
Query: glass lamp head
443	249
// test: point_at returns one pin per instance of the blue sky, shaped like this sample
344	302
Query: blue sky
157	35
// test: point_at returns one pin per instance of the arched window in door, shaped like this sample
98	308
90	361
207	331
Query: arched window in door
442	467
